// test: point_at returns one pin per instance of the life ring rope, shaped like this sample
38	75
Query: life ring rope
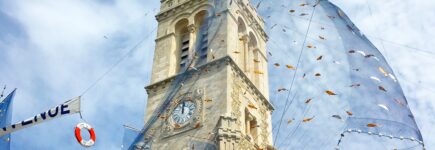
85	143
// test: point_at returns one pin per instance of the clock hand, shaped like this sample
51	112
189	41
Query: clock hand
182	108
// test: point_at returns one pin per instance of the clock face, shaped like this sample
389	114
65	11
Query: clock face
183	112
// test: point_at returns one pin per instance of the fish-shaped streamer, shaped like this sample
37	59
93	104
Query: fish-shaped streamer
319	58
258	72
321	37
372	125
382	88
250	105
375	78
337	117
384	107
329	92
392	77
290	121
276	64
290	67
308	119
308	101
282	89
362	53
382	70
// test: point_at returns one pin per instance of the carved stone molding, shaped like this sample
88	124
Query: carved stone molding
236	102
177	8
251	88
170	128
253	21
244	38
191	28
169	3
227	130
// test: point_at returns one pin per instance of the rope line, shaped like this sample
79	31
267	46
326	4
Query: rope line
376	28
117	63
111	69
294	75
382	44
306	109
371	36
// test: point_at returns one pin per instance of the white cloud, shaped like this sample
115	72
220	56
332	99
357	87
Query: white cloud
63	50
66	47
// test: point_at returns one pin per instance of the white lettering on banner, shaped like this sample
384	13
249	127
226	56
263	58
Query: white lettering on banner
69	107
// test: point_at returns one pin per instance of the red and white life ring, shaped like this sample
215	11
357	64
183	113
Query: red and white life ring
85	143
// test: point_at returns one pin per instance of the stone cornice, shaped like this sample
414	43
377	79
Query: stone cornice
226	129
252	20
176	9
171	78
262	54
256	27
224	60
255	91
164	36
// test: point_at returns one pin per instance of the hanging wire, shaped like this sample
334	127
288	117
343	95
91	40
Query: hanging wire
298	67
382	42
118	62
295	73
288	55
110	69
374	37
306	109
122	58
371	36
376	28
80	112
275	44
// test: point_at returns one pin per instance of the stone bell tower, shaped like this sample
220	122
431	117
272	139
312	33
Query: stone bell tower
212	55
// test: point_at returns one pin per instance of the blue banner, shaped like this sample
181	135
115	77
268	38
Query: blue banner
5	120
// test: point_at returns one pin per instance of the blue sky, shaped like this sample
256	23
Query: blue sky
53	50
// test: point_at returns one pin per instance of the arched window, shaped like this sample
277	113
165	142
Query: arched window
255	58
251	126
183	43
201	24
242	45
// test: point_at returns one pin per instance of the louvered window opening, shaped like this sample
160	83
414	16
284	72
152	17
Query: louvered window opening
204	45
203	52
184	55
